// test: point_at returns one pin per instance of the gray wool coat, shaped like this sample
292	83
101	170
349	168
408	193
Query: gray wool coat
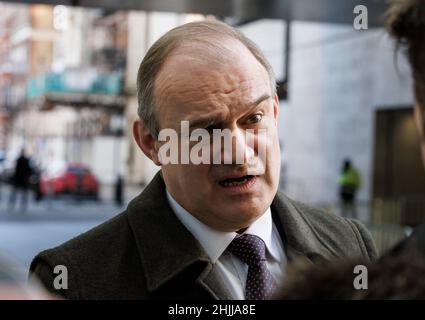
146	253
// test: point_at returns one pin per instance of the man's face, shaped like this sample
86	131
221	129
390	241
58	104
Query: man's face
233	94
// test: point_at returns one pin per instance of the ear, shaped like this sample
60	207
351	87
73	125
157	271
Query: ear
276	108
146	142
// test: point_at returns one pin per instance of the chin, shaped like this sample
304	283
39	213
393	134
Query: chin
250	211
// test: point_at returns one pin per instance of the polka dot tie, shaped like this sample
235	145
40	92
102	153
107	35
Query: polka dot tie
251	249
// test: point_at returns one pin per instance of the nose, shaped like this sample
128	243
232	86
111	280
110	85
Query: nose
243	146
237	148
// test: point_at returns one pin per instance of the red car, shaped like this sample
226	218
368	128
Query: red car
72	178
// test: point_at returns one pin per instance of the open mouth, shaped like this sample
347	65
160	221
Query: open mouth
233	182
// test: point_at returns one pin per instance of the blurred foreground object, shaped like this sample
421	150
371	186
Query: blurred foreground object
14	284
398	274
406	23
393	277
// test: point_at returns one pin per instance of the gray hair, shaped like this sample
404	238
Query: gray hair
201	32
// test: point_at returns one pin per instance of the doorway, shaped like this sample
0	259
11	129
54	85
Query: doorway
399	174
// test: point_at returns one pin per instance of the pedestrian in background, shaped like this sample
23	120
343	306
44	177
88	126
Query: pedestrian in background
21	181
119	190
349	184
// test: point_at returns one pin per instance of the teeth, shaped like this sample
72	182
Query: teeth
235	183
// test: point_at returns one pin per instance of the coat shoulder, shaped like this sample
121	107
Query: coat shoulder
99	238
339	235
98	254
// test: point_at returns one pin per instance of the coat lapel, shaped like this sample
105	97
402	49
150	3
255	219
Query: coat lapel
297	235
165	246
211	281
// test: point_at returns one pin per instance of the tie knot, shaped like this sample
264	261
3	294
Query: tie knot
249	248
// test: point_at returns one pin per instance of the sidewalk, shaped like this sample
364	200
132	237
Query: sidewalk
64	208
46	224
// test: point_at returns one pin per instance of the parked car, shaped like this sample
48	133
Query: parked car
69	178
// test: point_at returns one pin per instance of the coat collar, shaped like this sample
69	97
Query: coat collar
167	248
298	235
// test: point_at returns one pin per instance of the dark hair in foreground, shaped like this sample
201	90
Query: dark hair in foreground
393	277
406	23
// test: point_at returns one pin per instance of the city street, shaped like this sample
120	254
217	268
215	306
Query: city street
46	224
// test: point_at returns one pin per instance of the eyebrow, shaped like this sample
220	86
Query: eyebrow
204	122
262	98
208	121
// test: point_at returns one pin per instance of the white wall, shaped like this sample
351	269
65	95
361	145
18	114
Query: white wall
338	78
269	35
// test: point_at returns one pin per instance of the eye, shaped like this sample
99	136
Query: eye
255	118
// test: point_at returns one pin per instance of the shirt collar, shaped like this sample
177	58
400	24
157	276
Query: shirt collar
215	242
263	228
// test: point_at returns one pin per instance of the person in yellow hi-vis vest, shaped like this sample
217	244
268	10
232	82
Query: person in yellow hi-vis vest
349	184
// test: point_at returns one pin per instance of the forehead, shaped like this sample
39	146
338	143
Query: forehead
198	80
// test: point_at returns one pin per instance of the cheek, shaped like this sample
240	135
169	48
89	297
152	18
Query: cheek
190	176
271	140
267	134
273	156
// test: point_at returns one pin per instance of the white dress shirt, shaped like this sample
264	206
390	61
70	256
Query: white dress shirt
215	242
